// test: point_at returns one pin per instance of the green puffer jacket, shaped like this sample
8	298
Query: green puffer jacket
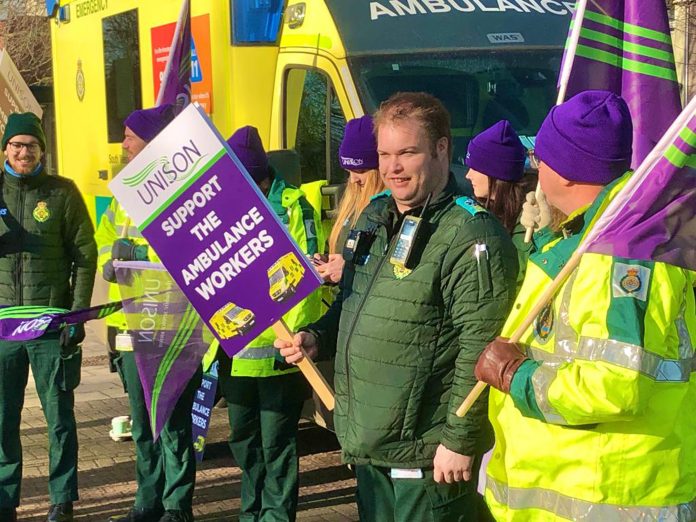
47	252
406	343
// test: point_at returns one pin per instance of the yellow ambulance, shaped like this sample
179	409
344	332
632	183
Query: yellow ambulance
298	70
232	320
284	276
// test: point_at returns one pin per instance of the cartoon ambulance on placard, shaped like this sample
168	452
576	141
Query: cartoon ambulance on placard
284	276
232	320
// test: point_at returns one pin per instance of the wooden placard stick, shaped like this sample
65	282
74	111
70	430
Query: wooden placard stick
308	368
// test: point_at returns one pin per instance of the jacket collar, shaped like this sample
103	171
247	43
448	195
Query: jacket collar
282	195
385	212
556	253
29	180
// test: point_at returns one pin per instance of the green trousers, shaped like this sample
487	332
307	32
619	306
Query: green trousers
56	375
263	413
165	471
384	499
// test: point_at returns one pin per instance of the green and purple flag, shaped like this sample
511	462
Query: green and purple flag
625	47
24	323
166	333
176	82
654	215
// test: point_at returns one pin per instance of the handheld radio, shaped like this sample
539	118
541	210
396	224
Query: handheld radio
407	238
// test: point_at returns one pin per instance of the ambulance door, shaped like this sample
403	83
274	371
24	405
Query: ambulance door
309	115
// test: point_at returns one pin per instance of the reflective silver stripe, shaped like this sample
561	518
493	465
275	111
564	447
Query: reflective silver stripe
577	509
109	214
105	249
626	355
254	353
565	335
133	232
686	348
541	380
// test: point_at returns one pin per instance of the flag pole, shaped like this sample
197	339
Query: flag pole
168	69
564	78
610	213
548	294
308	368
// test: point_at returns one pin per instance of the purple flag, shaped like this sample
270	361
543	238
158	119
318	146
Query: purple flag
654	216
625	47
166	335
176	83
23	323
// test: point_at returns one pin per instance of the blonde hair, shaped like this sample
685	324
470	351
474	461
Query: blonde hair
353	201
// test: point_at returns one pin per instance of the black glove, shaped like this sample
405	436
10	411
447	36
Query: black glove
72	335
109	272
125	250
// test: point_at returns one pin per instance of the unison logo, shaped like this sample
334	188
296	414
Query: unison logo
163	172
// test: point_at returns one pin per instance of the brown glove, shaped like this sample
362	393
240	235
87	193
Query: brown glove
498	363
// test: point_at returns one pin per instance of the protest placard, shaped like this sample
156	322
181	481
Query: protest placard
216	234
202	410
15	95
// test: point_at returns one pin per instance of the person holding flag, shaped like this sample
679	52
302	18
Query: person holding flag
165	470
591	406
625	47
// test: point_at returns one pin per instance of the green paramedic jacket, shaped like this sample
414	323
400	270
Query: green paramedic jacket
599	425
47	251
406	341
260	358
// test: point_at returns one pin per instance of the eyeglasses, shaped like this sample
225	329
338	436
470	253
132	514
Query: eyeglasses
16	146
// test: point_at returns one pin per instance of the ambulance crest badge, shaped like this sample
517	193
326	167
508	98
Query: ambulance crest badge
41	212
543	325
631	283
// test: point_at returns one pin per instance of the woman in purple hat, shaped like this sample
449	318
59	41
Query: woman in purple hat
358	156
496	170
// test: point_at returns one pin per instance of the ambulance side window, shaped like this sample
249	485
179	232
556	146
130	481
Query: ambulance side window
313	124
121	70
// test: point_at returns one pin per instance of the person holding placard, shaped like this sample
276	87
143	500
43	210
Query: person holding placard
428	283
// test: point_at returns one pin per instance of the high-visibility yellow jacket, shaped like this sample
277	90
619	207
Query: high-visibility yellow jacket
110	228
260	358
600	424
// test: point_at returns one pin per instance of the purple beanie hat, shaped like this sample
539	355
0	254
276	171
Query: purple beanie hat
358	150
148	123
497	152
588	138
246	144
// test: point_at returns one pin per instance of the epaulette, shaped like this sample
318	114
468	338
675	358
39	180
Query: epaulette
384	193
470	205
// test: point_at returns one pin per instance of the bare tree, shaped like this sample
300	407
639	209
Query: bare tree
26	35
